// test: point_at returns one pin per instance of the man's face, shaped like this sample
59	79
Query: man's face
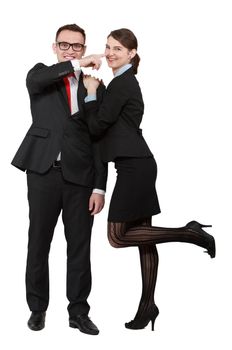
64	51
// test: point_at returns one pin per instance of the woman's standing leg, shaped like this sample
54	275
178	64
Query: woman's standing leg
149	259
147	309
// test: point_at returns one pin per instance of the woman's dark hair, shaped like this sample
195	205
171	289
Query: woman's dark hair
73	27
127	38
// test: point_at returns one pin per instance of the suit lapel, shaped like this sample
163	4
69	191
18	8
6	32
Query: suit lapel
63	96
81	94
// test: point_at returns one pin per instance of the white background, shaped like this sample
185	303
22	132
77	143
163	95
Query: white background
185	76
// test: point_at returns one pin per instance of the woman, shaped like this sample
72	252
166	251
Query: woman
134	198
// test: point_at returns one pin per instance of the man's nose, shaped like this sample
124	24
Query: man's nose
70	49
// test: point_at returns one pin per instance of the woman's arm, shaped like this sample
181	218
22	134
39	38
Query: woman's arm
101	117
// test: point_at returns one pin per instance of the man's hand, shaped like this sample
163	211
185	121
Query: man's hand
96	203
93	61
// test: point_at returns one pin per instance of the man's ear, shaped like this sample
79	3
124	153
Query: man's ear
54	48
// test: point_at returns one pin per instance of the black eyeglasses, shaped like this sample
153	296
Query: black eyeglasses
65	46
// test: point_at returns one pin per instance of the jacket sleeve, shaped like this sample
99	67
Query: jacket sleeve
41	76
100	117
101	168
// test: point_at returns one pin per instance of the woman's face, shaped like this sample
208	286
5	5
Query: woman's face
117	55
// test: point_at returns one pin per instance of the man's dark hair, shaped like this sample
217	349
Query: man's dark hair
73	27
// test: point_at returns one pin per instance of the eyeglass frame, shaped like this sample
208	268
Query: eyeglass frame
65	42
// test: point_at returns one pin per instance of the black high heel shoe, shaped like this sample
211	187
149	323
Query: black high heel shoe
210	242
140	323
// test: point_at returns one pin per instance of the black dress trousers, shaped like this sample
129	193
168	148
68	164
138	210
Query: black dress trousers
48	195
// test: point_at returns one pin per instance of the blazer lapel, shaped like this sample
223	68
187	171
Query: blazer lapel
63	96
81	93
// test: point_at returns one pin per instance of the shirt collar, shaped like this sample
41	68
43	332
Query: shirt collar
122	70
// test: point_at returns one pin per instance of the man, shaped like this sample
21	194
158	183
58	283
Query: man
64	173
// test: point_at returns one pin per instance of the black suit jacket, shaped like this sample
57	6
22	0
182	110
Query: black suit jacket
55	130
118	118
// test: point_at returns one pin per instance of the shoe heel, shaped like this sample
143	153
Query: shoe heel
197	227
154	316
72	325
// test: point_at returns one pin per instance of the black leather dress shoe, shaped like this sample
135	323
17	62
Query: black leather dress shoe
37	321
84	324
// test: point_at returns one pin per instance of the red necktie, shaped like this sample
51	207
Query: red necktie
68	88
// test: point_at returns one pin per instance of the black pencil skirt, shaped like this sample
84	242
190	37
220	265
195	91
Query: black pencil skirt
134	196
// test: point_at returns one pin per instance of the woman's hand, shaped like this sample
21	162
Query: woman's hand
91	84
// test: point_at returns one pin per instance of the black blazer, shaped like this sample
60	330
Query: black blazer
118	118
55	130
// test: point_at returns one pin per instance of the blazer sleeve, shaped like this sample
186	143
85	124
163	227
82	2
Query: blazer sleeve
42	76
100	117
101	168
